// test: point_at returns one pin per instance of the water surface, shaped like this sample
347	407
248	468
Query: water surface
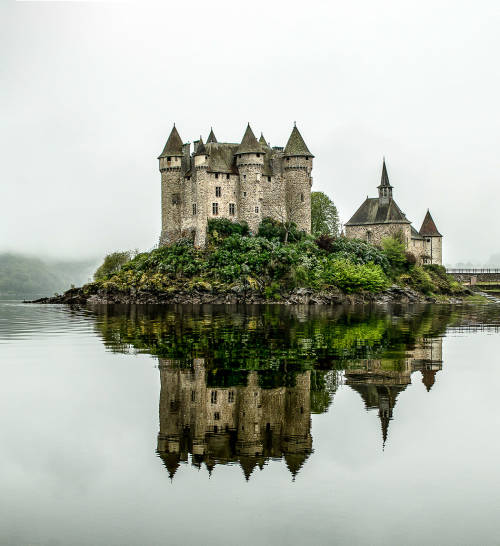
271	425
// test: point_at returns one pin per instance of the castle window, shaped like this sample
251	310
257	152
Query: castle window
216	429
232	209
256	209
307	157
302	197
269	179
194	209
215	209
217	191
213	397
193	396
244	194
216	175
244	177
258	155
230	396
288	159
228	176
169	158
175	199
217	416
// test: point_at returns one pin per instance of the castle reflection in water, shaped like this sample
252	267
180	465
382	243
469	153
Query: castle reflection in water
248	424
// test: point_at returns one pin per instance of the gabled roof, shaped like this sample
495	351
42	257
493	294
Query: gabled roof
372	211
211	136
173	145
296	145
384	180
249	144
429	228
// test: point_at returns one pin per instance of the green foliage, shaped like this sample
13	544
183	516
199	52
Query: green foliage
324	215
359	252
352	277
395	251
112	264
224	227
271	229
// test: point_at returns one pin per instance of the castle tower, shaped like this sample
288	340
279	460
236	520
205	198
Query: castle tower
297	168
171	189
250	162
201	158
385	188
433	241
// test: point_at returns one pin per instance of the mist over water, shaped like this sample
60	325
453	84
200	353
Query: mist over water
272	424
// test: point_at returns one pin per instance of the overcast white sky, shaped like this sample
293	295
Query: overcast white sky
89	92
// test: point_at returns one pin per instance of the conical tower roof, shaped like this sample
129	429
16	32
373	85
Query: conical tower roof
173	145
384	180
296	145
201	150
249	144
262	140
248	464
211	136
429	228
171	462
295	461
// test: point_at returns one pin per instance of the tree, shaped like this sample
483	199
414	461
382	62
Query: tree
112	263
324	215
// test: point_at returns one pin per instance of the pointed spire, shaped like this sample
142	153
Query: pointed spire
429	228
384	180
384	420
428	378
200	149
173	145
296	145
262	140
211	136
249	144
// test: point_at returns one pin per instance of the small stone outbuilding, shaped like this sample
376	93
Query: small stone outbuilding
380	217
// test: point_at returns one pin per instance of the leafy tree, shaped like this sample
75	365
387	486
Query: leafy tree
112	264
270	229
395	251
324	215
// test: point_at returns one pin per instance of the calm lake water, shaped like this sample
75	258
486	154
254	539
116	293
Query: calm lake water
249	425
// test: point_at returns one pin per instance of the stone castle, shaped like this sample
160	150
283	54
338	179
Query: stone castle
244	182
381	217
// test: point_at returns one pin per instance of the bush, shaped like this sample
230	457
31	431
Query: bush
112	263
271	229
224	227
325	242
359	252
351	277
410	259
394	249
420	280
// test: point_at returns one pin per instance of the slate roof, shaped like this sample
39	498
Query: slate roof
200	148
173	145
249	144
372	211
296	144
429	228
384	180
221	157
262	140
211	136
415	234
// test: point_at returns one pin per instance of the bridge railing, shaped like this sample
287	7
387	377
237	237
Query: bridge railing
473	271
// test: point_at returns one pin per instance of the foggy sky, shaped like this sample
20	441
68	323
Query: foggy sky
90	92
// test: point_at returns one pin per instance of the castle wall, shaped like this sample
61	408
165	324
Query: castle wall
298	191
375	233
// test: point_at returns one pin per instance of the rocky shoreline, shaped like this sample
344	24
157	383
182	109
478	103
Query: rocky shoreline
237	294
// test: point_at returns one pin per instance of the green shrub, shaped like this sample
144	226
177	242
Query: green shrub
359	252
224	227
395	251
112	263
271	229
351	277
420	280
